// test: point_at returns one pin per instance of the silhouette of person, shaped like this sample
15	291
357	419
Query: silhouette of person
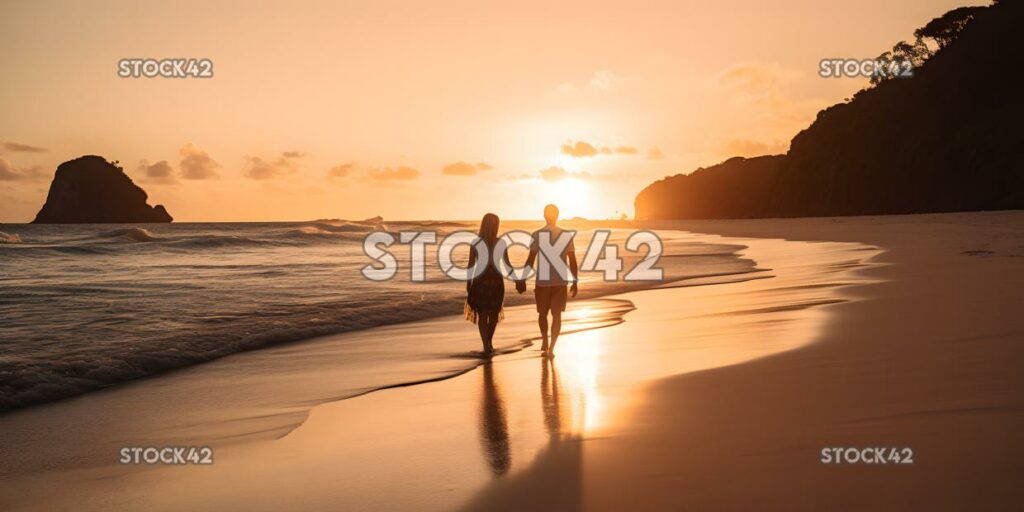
494	425
552	279
485	294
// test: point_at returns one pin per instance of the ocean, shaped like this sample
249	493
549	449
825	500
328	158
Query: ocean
85	307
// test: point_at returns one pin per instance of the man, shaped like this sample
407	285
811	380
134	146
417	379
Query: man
556	246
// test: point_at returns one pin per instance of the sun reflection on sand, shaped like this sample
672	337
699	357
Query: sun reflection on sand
579	363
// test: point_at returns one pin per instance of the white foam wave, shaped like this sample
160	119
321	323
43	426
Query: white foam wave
131	234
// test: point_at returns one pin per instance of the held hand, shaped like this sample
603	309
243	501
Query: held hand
573	290
521	286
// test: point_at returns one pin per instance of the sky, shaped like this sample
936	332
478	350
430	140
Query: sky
419	110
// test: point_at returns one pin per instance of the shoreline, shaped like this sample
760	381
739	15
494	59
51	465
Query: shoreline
528	440
168	333
930	359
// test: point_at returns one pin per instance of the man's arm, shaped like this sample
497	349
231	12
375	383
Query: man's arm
521	283
533	255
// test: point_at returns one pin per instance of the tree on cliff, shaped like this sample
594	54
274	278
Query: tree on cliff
946	28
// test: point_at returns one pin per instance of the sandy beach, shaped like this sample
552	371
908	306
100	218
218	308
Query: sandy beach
929	358
900	331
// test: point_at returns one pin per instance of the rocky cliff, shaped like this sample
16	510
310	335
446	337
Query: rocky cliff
947	139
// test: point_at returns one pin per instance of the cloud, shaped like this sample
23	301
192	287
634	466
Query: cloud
196	164
579	150
465	169
159	172
23	148
757	77
603	80
555	173
768	99
655	154
9	172
259	169
341	170
459	169
583	149
402	173
747	147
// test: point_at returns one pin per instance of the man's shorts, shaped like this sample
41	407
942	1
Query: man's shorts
550	298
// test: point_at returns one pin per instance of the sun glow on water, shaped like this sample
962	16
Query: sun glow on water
579	362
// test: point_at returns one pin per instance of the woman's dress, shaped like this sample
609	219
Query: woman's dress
486	291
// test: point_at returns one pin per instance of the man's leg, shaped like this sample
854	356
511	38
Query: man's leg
542	322
556	327
558	298
543	297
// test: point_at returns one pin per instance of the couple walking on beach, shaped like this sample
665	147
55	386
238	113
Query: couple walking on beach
553	250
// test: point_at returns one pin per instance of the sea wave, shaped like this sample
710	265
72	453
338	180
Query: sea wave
7	238
213	242
348	227
325	229
128	234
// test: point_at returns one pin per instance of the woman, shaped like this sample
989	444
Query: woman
486	292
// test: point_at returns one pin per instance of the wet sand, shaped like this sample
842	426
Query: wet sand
932	358
896	331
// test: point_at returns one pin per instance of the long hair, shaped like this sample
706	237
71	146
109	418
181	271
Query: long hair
489	229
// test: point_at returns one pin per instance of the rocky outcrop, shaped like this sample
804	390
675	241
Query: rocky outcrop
91	190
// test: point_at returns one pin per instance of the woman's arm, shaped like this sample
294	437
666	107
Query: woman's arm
511	274
472	262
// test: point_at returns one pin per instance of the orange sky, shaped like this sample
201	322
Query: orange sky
355	109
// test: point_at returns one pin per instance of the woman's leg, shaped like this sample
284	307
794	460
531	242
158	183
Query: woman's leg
492	325
487	323
485	332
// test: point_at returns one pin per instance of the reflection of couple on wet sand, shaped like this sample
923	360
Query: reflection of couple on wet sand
486	291
494	417
556	467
